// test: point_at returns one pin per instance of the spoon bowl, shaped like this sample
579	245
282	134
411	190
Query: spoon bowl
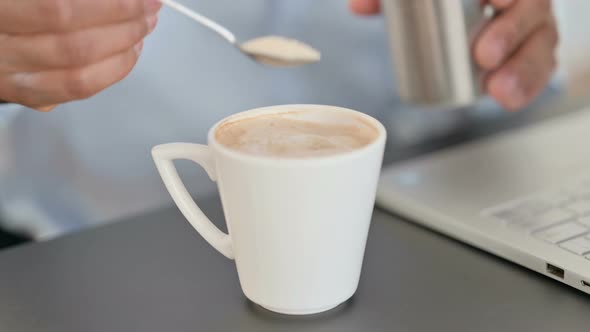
272	51
280	51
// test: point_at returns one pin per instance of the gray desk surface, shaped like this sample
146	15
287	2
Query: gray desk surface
154	273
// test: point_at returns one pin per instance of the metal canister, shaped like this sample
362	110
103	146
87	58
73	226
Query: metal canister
432	44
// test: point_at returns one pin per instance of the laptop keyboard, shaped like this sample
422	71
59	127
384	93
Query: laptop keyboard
561	217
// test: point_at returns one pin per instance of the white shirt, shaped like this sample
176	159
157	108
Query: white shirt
89	162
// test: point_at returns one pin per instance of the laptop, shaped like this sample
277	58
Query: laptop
523	195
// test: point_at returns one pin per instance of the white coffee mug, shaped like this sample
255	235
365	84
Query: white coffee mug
297	227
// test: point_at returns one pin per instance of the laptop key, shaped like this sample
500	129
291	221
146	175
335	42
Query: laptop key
544	220
510	215
579	246
555	199
524	209
561	232
534	206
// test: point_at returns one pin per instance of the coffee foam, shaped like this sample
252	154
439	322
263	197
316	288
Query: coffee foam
297	134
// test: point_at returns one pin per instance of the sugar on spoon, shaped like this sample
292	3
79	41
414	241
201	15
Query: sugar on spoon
269	50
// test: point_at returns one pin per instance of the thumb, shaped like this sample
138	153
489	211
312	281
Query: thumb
365	7
45	108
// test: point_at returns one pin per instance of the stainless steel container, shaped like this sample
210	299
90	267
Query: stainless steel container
432	45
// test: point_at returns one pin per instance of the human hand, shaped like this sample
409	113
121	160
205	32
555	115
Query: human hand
54	51
517	48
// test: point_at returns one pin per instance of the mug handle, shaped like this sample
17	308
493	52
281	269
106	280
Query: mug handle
164	155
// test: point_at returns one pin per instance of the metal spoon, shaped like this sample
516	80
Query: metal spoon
269	50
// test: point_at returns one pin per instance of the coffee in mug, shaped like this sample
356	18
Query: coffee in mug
297	134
